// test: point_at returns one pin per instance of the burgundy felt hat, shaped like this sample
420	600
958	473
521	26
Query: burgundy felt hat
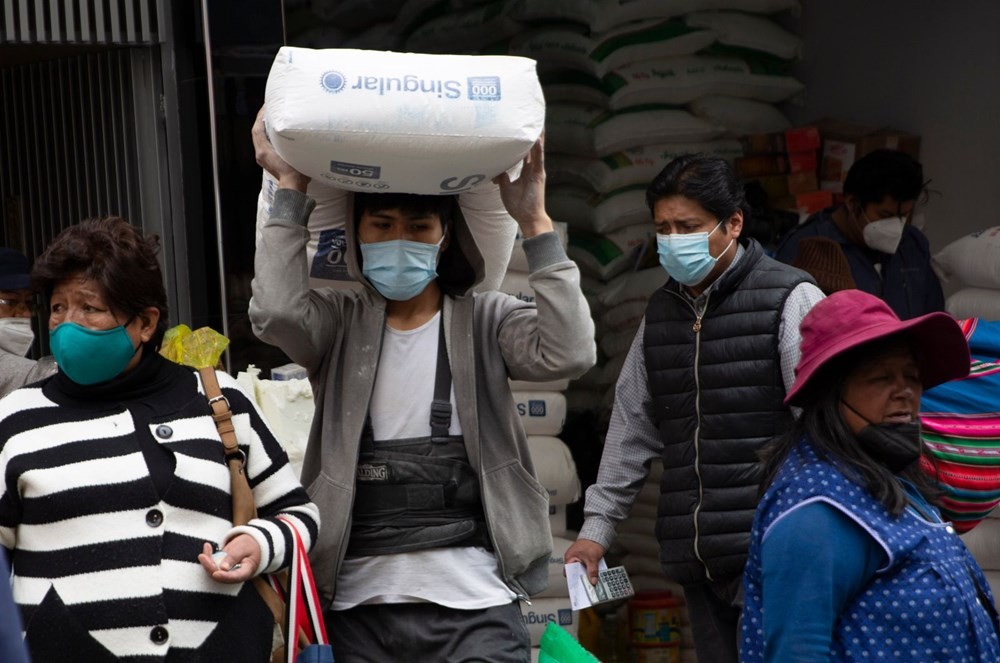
851	318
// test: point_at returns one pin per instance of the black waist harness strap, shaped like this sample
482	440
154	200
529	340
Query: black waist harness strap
417	493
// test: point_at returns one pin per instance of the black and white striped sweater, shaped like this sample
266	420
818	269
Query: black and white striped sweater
104	567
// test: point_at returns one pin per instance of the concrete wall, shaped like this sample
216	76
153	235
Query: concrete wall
928	67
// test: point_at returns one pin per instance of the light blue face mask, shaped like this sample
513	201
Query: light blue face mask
686	257
89	356
400	269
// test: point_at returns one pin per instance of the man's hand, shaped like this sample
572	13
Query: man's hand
240	563
268	159
588	553
525	197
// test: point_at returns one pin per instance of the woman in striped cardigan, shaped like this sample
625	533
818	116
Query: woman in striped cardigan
114	491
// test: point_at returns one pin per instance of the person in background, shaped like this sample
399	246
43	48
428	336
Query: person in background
886	254
849	558
114	485
434	523
16	335
702	388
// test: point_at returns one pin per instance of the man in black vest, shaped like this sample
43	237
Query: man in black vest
702	388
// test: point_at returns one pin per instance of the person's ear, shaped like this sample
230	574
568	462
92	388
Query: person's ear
446	237
148	318
734	224
853	205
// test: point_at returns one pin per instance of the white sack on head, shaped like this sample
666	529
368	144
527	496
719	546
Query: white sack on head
402	122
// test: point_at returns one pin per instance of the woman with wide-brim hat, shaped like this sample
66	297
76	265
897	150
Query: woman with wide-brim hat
849	559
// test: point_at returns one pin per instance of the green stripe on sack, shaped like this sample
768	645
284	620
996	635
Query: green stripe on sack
603	249
759	62
955	440
663	32
617	160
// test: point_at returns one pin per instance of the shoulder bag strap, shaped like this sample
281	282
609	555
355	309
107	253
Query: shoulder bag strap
244	509
243	505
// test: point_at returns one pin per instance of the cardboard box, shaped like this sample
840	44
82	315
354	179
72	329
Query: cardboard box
763	143
803	162
775	186
813	201
845	143
802	139
802	182
760	165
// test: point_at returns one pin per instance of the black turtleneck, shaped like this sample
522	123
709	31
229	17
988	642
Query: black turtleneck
153	389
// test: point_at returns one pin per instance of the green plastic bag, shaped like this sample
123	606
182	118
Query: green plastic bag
558	646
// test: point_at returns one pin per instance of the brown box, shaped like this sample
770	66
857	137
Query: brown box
802	182
775	186
761	165
813	201
845	143
802	162
763	143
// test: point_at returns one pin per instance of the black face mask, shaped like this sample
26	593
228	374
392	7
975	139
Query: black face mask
896	446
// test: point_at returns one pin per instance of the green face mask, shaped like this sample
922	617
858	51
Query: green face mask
90	357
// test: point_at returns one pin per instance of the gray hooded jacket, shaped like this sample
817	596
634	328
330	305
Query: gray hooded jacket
490	337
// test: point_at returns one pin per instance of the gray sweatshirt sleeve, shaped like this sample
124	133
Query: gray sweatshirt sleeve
555	339
283	311
631	444
16	372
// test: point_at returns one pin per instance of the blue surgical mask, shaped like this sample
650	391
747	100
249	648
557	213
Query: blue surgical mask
400	269
89	356
686	256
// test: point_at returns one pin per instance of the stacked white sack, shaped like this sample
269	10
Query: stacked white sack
628	92
552	604
542	405
376	121
556	471
287	407
975	261
636	535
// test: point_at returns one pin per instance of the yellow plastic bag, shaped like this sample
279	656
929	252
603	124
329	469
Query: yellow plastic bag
198	349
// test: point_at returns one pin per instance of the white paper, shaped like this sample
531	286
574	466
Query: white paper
581	593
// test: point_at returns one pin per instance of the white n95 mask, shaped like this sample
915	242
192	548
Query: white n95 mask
885	234
16	335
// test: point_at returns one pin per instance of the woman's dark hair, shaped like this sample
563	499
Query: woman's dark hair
882	173
455	274
114	254
709	181
822	424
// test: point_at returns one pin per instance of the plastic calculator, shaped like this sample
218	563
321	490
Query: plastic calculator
612	584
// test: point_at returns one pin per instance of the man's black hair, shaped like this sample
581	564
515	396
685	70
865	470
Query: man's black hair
884	173
710	181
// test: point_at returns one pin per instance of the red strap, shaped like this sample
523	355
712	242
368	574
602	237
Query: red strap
304	615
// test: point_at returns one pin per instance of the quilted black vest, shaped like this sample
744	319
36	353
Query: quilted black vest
717	393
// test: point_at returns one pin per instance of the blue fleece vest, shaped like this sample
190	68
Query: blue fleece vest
921	607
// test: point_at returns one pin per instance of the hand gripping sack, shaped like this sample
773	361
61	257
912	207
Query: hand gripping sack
491	226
